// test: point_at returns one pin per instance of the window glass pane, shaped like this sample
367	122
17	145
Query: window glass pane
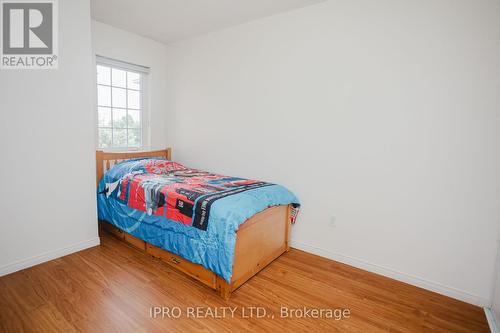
104	137
119	137
103	75
104	115
119	118
134	99
134	138
119	98
103	96
134	119
133	80
119	78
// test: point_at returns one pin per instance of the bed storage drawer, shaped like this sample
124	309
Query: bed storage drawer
134	241
112	229
195	271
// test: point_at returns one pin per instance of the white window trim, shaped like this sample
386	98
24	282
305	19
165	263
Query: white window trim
145	112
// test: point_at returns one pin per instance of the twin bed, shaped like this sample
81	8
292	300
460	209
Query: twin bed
219	230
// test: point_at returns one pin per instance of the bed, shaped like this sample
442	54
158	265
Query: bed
259	238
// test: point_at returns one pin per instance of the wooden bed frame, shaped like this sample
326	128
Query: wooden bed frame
259	240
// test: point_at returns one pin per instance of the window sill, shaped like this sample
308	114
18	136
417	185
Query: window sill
121	150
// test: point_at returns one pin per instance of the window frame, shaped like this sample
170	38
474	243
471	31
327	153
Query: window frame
144	100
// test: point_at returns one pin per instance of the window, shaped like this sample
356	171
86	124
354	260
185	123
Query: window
120	104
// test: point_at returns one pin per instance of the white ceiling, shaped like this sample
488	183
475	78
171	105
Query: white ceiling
171	20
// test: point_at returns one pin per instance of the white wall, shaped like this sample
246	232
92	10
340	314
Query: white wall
496	294
383	114
121	45
47	169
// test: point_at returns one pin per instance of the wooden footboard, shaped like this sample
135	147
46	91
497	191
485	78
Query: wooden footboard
259	240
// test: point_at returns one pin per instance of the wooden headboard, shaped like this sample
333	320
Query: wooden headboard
105	160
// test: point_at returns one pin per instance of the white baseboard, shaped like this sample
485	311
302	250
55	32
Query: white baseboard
490	316
393	274
47	256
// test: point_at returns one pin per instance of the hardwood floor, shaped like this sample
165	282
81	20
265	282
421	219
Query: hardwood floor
113	287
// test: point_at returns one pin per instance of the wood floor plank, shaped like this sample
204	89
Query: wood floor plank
112	287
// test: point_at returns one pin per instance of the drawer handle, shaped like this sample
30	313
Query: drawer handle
175	260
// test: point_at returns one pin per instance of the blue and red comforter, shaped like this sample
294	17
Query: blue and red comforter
190	212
